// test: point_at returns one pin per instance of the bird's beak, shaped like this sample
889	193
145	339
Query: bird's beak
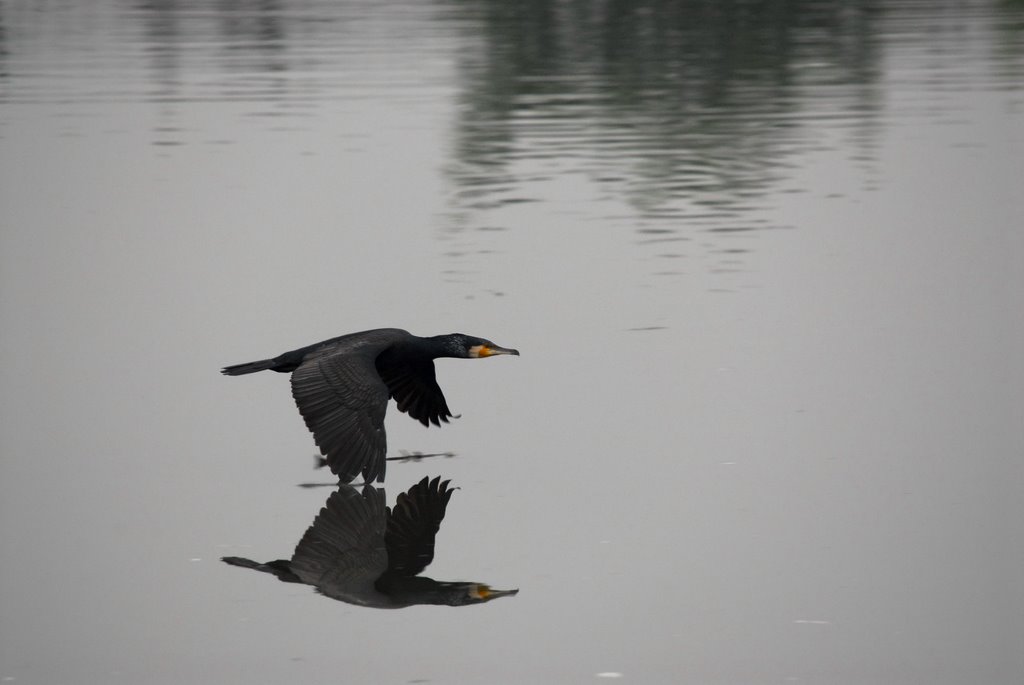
501	350
488	351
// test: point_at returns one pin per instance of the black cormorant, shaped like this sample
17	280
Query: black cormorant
359	551
342	386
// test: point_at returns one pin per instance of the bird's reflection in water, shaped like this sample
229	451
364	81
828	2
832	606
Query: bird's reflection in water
362	552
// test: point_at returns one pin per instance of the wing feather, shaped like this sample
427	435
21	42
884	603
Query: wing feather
413	385
343	400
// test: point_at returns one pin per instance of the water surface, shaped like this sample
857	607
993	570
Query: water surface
762	261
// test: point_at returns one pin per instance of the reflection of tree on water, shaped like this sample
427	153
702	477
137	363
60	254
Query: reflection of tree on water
252	37
1008	52
362	552
689	109
3	47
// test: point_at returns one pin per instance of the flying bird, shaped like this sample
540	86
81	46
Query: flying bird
342	386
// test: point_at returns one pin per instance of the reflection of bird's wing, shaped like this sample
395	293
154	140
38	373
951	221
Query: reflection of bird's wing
343	400
414	386
413	524
343	552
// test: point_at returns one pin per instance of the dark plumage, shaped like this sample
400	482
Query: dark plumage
342	385
359	551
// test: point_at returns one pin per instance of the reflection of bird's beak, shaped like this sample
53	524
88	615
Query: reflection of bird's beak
486	592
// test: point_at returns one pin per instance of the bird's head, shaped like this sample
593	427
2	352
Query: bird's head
468	347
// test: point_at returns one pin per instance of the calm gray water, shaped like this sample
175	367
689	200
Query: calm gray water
763	262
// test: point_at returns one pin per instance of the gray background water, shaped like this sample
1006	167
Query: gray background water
763	261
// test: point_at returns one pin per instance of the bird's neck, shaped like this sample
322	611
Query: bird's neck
439	346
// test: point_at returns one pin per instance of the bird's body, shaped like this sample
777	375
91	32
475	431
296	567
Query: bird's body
361	552
342	385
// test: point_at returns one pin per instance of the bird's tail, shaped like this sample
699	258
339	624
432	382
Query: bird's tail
244	563
248	367
280	568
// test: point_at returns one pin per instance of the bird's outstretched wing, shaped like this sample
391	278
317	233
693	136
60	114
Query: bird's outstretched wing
343	401
413	524
414	386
